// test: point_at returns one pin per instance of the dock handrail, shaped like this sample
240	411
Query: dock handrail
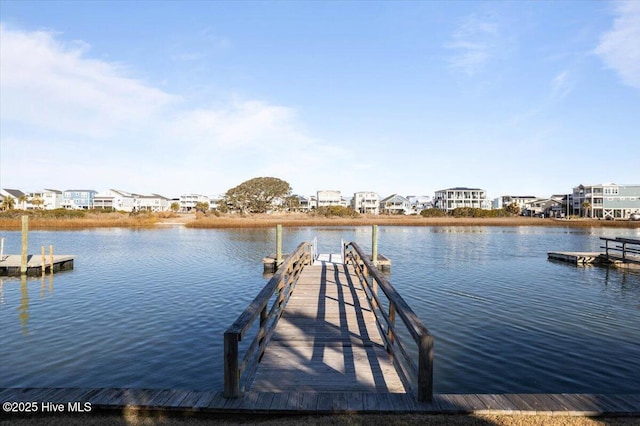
423	372
623	248
236	372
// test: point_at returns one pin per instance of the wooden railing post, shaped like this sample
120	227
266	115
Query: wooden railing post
425	368
374	245
278	245
25	245
231	372
392	318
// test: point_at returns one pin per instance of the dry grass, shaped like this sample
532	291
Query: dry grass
108	220
100	220
303	220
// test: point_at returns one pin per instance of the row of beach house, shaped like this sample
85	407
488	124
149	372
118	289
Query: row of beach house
604	201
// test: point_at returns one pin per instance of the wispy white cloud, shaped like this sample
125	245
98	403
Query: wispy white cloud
94	122
474	43
48	84
619	47
561	85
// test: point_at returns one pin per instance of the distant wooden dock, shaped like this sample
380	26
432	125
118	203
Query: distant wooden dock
10	264
619	252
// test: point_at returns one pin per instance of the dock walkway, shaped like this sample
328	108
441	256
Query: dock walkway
327	338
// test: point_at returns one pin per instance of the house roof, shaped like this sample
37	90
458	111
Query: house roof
390	197
55	191
16	193
461	188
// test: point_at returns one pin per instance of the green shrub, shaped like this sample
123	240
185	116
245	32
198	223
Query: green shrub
433	213
337	211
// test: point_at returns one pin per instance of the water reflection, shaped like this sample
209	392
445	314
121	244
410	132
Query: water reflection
23	309
44	279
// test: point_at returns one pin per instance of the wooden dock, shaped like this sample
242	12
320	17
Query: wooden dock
619	252
575	258
324	339
327	338
10	264
277	403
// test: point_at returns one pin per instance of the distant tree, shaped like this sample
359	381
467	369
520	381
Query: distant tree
175	206
586	205
293	203
23	201
201	207
8	203
37	201
339	211
433	212
257	195
513	208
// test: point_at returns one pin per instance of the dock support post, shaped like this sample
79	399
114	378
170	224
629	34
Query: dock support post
425	368
1	249
25	244
374	245
231	372
44	261
278	245
51	258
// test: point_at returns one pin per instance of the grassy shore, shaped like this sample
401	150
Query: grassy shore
301	220
125	220
86	220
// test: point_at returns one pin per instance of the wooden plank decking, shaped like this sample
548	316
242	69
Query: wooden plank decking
328	402
327	339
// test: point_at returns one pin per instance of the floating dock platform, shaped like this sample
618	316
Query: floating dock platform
269	262
575	258
10	264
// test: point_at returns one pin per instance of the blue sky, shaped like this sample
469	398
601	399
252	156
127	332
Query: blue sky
522	98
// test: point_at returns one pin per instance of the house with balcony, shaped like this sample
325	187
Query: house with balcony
153	203
52	199
419	203
453	198
75	199
366	202
395	204
115	199
522	201
328	198
188	201
606	201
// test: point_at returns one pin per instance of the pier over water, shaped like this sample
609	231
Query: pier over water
329	334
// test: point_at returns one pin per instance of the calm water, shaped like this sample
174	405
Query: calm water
148	308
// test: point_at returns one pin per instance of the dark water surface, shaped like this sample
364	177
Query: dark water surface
147	308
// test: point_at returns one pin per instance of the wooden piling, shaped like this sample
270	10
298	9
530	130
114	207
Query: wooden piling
25	245
44	261
51	257
278	245
374	245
